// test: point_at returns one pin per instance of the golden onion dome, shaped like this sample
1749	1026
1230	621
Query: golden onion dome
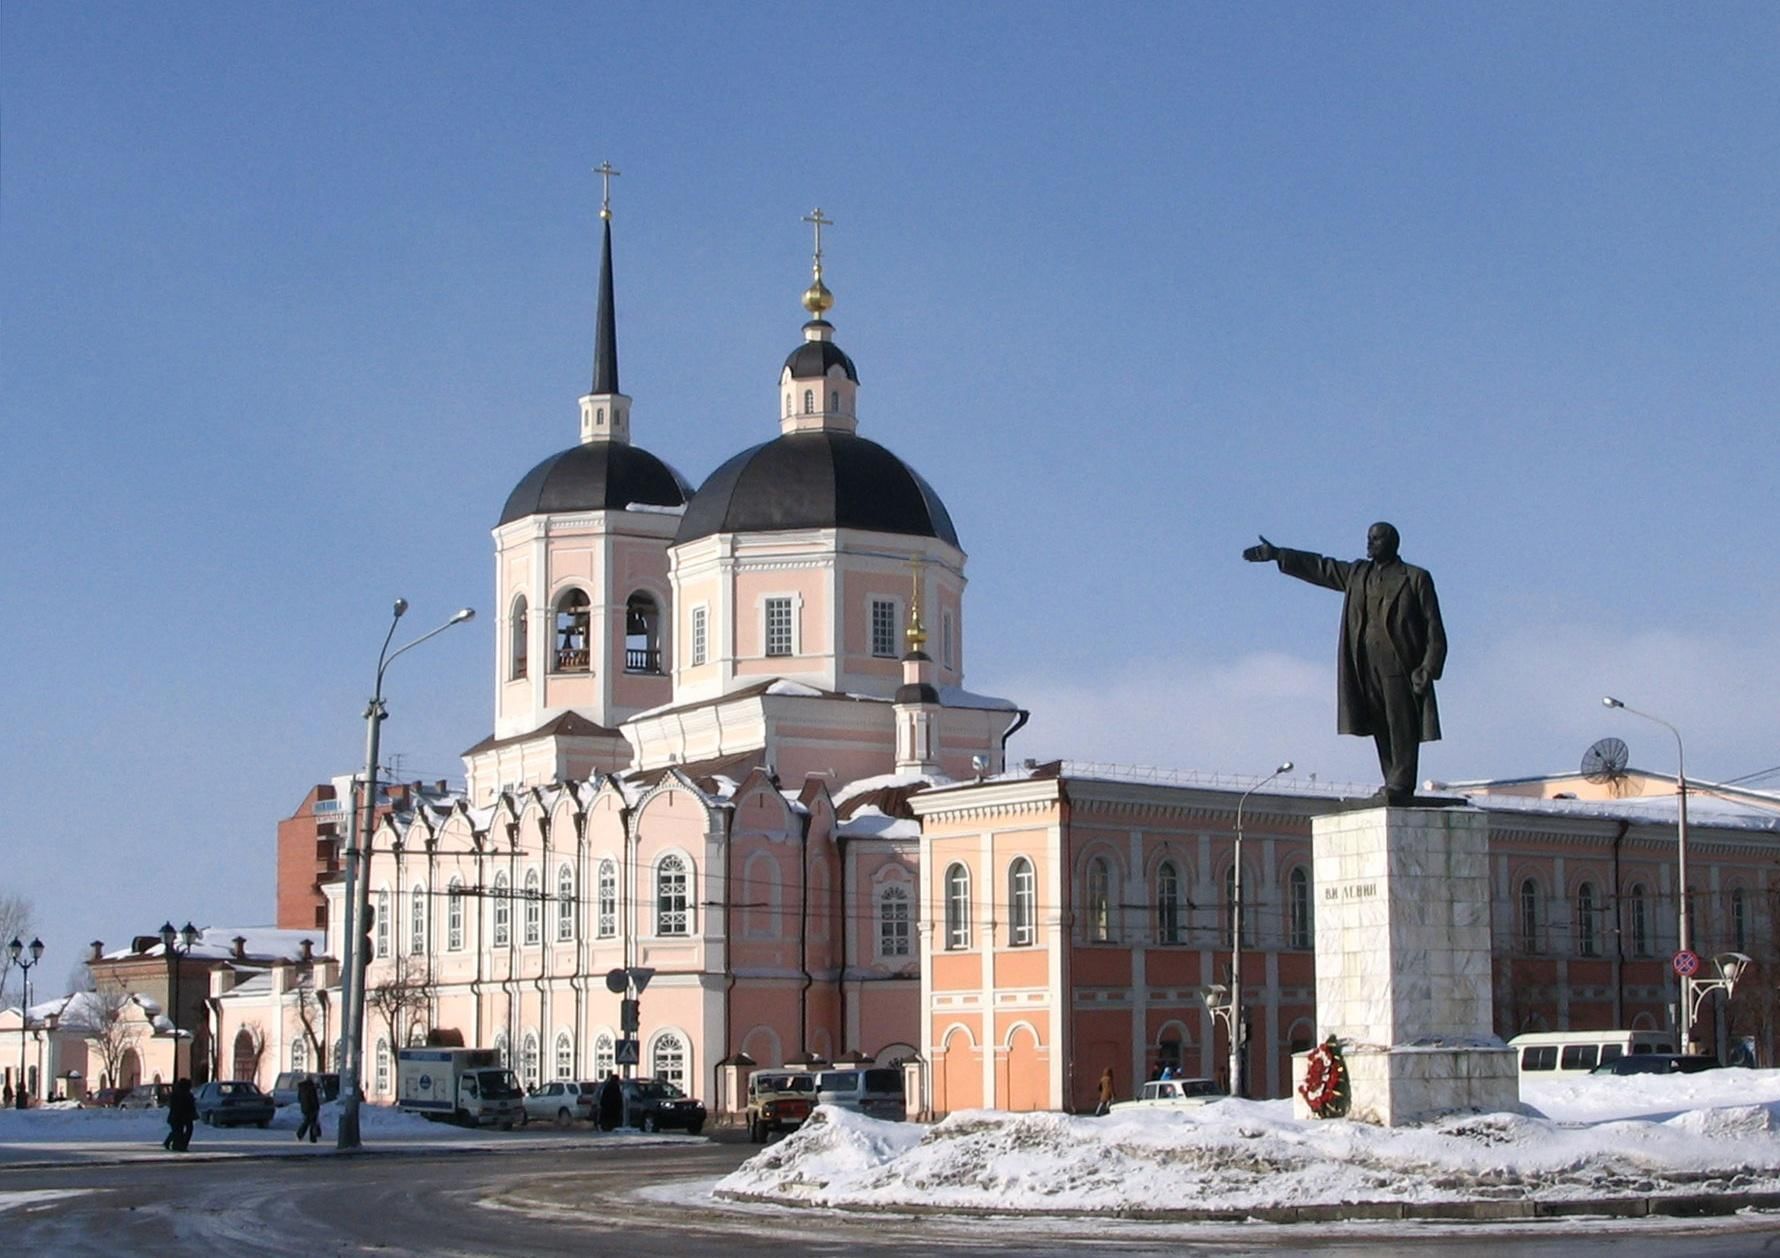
817	299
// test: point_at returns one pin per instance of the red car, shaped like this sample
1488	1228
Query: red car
104	1098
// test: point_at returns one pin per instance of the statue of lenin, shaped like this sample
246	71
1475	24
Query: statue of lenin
1393	648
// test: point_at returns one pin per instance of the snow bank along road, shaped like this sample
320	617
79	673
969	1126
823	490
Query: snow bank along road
644	1200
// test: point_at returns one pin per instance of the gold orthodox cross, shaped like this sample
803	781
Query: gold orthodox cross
818	220
605	171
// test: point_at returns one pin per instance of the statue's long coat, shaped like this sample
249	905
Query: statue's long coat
1412	621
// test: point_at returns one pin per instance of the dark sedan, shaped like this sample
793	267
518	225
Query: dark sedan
657	1105
233	1103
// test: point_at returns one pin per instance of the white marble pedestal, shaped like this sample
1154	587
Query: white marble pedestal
1403	963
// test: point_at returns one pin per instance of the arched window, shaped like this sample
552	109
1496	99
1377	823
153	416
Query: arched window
246	1058
642	634
1739	921
1529	916
454	915
572	624
1099	901
521	631
528	1060
809	401
1302	925
787	406
1167	903
382	1077
957	907
1586	943
565	1056
1022	929
668	1062
673	896
893	921
500	1050
1640	923
534	909
417	921
382	924
299	1054
605	1056
607	926
834	399
565	904
503	911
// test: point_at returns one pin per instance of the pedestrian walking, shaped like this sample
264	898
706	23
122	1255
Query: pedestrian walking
1106	1094
182	1114
609	1102
309	1102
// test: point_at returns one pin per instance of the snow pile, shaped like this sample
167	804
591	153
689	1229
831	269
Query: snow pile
1235	1155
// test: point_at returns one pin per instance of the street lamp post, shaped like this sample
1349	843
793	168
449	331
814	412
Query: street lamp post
16	950
170	941
1235	1001
358	889
1684	938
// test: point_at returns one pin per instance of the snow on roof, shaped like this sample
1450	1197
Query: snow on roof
959	697
217	943
797	688
874	823
655	508
884	781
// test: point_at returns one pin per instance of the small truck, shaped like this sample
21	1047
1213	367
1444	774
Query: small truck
467	1086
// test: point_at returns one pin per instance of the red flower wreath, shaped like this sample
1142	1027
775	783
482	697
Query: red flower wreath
1325	1087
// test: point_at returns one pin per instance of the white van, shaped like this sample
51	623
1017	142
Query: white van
875	1091
1552	1054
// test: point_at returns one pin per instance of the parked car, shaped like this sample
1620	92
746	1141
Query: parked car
104	1098
561	1101
147	1096
1174	1094
657	1105
875	1091
233	1103
1657	1064
284	1088
1579	1052
779	1100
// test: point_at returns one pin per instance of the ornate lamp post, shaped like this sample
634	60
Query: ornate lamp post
358	888
16	950
170	943
1684	937
1231	1009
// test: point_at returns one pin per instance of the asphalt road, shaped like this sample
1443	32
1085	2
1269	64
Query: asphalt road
581	1200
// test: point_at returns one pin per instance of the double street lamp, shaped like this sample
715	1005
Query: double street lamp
1231	1009
1684	937
170	943
16	951
358	888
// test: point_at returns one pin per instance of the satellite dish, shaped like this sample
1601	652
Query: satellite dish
1605	761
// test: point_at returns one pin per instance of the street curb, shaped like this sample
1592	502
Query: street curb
406	1151
1680	1205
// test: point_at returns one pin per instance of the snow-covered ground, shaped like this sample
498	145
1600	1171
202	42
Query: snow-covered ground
1585	1139
55	1133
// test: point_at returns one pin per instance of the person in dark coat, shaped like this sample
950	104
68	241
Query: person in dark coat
309	1102
609	1102
1392	651
182	1114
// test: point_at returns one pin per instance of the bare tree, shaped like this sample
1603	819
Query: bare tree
403	998
310	1007
15	923
250	1050
102	1015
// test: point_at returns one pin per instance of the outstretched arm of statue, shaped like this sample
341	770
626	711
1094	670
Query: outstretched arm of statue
1266	552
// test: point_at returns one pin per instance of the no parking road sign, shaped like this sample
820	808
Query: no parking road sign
1687	964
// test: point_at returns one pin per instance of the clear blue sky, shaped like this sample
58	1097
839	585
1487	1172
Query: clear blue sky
293	295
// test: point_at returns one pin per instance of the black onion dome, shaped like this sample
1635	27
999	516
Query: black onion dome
814	358
596	476
816	479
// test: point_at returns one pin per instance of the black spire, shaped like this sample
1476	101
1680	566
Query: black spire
605	335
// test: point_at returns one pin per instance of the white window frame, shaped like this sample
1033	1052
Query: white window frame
767	605
606	925
531	1063
385	906
382	1067
565	1055
668	1069
501	911
1097	896
1022	897
454	915
701	635
676	914
886	647
1168	903
565	903
896	921
417	920
534	908
605	1055
957	895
